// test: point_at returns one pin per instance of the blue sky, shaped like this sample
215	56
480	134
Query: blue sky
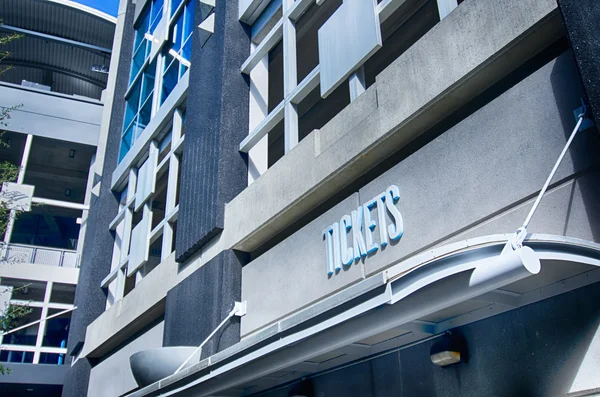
108	6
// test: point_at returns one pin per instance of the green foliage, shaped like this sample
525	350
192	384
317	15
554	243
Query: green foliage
4	40
12	314
10	319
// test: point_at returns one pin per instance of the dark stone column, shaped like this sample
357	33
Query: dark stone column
77	379
582	21
213	171
95	264
199	303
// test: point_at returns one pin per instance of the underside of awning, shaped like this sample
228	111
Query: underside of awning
409	302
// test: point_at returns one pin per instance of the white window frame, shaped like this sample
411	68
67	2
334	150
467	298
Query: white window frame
256	66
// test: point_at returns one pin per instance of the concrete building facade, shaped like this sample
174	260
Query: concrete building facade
53	79
345	198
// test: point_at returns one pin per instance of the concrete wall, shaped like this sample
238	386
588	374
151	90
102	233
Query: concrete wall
52	115
40	273
112	376
35	374
212	170
549	348
199	303
477	178
474	47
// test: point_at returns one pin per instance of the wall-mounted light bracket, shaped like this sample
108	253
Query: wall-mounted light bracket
240	308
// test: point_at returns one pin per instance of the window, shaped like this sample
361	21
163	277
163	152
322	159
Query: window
145	226
138	110
175	4
7	356
57	329
43	340
285	42
169	67
25	290
25	336
177	53
62	293
143	36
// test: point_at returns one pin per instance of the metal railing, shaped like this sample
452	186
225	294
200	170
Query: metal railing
17	253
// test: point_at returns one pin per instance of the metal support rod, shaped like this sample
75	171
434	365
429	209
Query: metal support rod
59	203
522	231
199	348
38	321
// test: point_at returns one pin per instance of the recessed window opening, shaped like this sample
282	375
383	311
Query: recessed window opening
57	329
276	144
62	293
123	197
178	52
46	226
129	284
26	336
183	114
315	112
52	359
164	146
25	290
9	356
399	32
174	236
178	187
159	201
138	109
137	217
307	38
154	255
275	77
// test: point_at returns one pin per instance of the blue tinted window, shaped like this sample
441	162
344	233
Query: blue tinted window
178	53
126	142
188	27
174	6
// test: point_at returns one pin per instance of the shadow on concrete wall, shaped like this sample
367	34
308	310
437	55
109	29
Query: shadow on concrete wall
585	149
536	350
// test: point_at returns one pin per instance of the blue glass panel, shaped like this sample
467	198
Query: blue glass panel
145	115
16	357
187	50
182	70
174	5
133	104
126	141
188	28
155	16
176	37
149	76
170	79
141	29
51	358
57	333
138	62
137	129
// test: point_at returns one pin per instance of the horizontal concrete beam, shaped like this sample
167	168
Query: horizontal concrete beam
29	271
52	116
466	53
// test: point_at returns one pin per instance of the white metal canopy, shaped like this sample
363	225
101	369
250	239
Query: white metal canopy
425	295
